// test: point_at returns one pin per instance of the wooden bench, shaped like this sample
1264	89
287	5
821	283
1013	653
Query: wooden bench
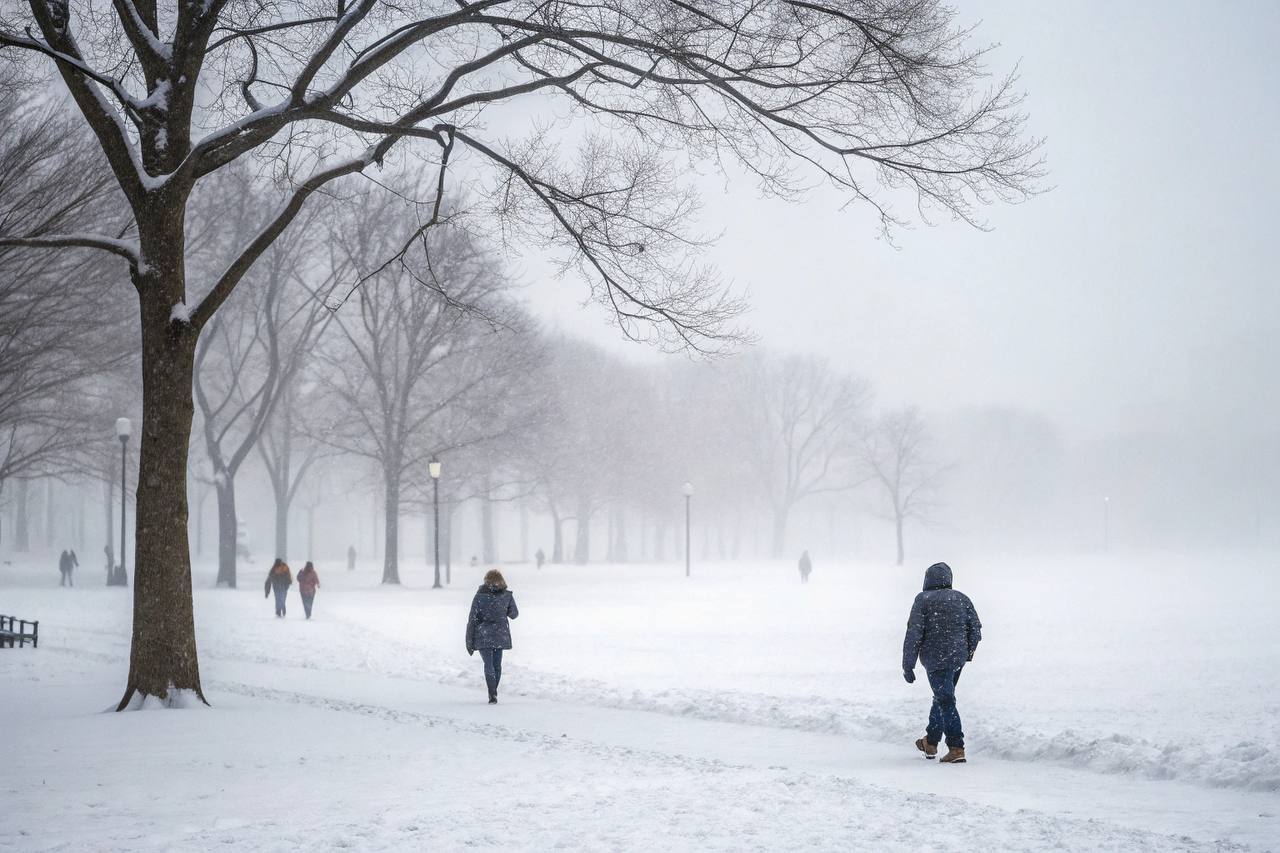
14	630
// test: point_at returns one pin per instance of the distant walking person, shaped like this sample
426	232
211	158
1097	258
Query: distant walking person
489	629
111	564
351	558
279	579
806	567
64	569
308	583
943	631
540	557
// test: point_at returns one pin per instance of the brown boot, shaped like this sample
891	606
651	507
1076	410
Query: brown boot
955	755
930	750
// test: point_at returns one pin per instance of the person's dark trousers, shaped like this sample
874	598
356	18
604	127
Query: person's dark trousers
944	718
306	604
64	578
280	594
492	669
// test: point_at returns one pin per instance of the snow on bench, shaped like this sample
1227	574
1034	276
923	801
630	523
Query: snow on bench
14	630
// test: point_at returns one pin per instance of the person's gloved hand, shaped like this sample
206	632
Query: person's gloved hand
909	675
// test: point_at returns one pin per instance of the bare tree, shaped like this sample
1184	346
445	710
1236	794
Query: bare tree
801	421
289	450
253	348
409	373
897	453
857	91
64	340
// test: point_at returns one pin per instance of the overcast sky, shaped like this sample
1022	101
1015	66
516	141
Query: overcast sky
1138	294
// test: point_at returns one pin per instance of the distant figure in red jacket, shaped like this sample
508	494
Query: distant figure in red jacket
308	583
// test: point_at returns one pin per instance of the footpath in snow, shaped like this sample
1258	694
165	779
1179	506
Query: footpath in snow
366	729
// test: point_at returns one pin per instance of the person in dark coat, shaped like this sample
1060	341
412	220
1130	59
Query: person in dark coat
64	569
308	583
540	557
489	629
351	558
806	566
943	632
279	579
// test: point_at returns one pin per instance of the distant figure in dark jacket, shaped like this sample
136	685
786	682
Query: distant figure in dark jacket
308	583
943	632
806	567
351	558
279	579
488	627
540	557
64	569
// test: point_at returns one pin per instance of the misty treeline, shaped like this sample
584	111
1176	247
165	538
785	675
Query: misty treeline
563	126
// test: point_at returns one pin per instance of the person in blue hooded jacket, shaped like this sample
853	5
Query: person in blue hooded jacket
943	632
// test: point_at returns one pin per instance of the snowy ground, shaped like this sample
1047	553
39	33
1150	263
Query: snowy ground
1121	704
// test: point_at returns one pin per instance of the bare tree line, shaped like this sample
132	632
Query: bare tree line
860	94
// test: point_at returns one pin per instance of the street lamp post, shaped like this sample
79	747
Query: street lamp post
688	535
123	430
434	467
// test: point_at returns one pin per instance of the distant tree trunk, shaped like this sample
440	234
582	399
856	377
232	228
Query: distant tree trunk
659	542
706	542
524	532
311	530
49	526
391	542
897	523
203	492
736	547
582	543
610	543
488	547
620	530
779	531
557	537
109	497
80	521
22	520
282	528
447	531
228	528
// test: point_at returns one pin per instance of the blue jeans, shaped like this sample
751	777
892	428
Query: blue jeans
306	604
281	592
943	716
492	668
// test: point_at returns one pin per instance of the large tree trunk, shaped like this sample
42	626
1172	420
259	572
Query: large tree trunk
163	655
391	541
898	529
225	485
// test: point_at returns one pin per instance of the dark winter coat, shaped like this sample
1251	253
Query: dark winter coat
487	626
308	581
806	565
943	630
279	579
